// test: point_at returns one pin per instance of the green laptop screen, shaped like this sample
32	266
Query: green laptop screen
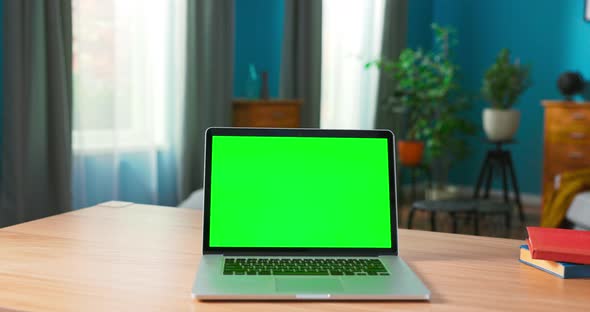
313	192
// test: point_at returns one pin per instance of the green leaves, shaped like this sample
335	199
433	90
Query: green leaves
504	81
426	89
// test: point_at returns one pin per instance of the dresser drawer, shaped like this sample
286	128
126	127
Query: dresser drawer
261	114
561	116
568	134
273	123
560	158
278	113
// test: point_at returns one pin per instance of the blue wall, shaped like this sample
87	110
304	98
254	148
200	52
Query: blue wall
258	41
420	16
548	34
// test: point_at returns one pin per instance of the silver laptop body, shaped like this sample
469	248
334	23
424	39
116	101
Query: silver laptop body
316	262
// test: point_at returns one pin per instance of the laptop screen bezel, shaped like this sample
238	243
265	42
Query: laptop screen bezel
277	132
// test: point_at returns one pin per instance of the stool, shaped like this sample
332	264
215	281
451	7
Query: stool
451	206
502	160
471	207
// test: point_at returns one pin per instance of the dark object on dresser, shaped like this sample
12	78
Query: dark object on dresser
570	83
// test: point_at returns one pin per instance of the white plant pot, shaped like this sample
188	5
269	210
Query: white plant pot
500	124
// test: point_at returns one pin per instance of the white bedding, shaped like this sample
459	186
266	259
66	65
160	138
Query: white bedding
194	201
579	211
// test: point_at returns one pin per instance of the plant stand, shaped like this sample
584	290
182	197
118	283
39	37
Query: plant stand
501	160
414	172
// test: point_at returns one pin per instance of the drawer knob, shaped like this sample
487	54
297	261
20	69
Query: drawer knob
575	155
578	116
577	135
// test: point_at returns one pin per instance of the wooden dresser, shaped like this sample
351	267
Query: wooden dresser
567	140
267	113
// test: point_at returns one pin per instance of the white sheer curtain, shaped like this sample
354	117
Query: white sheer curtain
351	37
128	85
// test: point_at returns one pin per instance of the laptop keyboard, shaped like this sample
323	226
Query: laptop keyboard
303	266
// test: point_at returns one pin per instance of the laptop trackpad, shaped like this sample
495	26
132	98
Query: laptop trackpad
308	285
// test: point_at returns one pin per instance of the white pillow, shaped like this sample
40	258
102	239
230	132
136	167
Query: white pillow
579	211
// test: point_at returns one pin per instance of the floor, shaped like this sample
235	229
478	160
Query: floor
488	226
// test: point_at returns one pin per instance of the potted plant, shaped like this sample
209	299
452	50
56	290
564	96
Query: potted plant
503	83
413	77
426	87
410	72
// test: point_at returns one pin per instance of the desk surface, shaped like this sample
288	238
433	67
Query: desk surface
117	257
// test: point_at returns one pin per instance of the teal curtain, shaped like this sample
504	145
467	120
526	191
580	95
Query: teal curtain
35	180
209	77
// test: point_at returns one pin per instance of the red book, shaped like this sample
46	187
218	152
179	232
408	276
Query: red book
559	244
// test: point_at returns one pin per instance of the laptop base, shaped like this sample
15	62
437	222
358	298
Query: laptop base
401	284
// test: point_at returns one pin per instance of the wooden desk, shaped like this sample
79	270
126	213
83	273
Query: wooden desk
117	257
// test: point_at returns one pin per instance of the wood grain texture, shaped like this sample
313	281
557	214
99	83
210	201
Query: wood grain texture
144	258
275	113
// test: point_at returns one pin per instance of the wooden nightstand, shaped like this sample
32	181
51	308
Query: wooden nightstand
567	140
277	113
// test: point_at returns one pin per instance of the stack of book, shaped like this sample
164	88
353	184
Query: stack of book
561	252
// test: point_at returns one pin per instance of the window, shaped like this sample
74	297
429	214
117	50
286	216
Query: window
351	37
127	72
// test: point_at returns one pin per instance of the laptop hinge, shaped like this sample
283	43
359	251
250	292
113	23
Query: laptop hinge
258	254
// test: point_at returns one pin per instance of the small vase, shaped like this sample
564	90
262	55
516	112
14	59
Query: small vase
252	86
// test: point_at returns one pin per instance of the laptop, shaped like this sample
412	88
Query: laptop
301	214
